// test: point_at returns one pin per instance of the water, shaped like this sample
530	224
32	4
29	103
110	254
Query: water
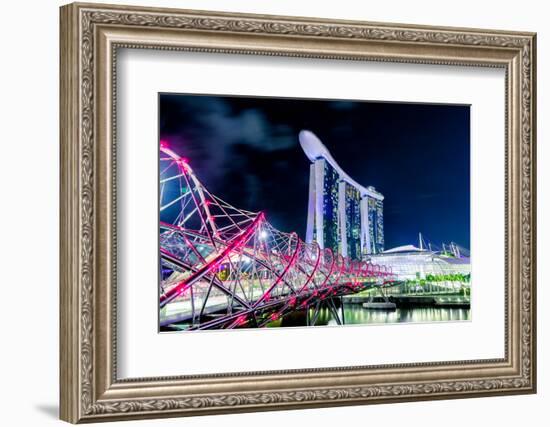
355	314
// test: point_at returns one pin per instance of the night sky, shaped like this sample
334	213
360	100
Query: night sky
246	151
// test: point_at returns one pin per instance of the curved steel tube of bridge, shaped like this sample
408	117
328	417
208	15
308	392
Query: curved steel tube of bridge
208	234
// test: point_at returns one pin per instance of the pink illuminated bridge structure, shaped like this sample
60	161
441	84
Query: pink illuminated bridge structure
222	267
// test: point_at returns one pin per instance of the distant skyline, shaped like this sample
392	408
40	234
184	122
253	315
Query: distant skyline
246	151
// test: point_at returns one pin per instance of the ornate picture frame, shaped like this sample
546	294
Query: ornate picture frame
91	34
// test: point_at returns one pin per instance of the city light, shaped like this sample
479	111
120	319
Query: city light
224	267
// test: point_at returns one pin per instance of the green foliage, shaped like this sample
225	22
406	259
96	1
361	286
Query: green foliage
457	277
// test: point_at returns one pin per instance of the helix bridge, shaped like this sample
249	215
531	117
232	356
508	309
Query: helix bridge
222	267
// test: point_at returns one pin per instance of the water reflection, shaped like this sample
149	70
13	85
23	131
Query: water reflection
355	314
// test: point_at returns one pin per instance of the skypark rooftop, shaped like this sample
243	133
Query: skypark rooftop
315	149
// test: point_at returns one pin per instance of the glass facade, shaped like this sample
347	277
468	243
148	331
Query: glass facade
379	229
342	215
331	229
353	222
376	225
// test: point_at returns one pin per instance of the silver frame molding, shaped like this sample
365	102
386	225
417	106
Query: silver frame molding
90	37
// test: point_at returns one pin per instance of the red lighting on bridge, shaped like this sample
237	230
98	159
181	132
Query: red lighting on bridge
226	266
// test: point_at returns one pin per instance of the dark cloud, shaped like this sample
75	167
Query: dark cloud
342	105
210	130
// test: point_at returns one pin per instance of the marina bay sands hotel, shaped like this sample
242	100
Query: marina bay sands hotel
342	214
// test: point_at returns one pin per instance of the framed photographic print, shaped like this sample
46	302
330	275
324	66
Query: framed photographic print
265	212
